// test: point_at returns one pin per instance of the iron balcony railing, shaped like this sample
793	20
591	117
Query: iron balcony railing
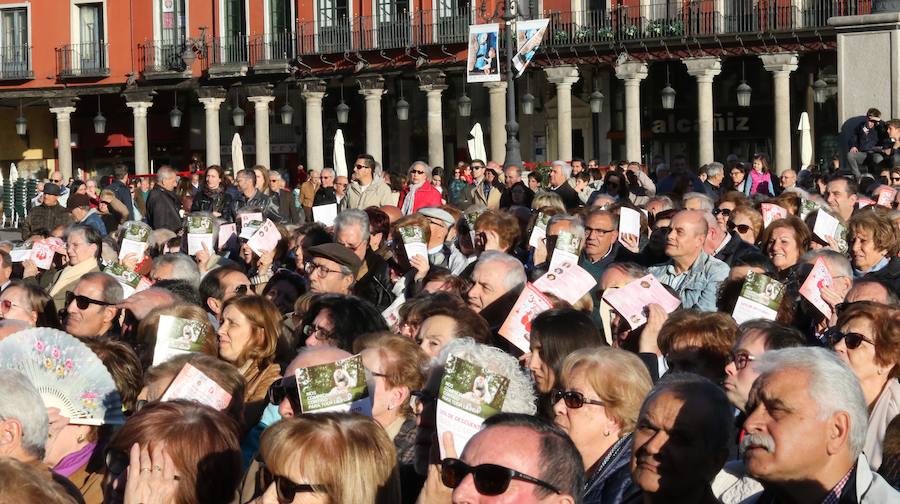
229	50
693	18
276	47
440	27
15	62
89	59
162	56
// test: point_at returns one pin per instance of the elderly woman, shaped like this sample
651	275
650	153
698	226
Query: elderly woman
82	251
443	324
397	367
727	203
746	222
868	340
597	404
177	452
328	458
28	303
698	342
496	230
785	240
418	193
874	243
337	321
247	339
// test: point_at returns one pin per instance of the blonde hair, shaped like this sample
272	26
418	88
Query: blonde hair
404	362
617	376
20	482
349	455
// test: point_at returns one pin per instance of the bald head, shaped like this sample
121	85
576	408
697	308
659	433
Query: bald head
392	212
687	236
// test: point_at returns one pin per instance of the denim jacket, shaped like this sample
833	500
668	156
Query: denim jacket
701	285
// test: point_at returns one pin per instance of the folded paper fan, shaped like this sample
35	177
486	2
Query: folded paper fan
67	374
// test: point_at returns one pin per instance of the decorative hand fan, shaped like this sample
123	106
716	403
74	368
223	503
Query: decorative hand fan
66	373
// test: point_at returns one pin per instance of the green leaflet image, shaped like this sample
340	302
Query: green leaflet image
763	290
412	234
332	384
568	242
200	225
471	388
187	335
542	220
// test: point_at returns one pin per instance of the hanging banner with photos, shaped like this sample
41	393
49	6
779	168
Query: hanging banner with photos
529	35
483	64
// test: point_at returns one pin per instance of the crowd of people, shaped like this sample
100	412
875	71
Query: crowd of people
701	393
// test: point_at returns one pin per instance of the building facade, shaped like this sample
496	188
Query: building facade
87	84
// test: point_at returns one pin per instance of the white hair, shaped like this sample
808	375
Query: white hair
577	228
831	384
667	202
353	217
423	164
706	203
328	170
566	167
714	169
520	396
164	173
712	223
21	401
837	263
515	272
183	267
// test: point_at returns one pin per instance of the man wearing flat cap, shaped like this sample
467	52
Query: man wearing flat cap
441	223
82	213
47	217
332	269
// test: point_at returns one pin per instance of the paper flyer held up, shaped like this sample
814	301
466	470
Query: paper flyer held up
771	212
760	298
413	242
566	280
200	232
193	385
517	326
820	276
176	336
631	299
325	214
567	248
539	231
134	241
336	386
265	239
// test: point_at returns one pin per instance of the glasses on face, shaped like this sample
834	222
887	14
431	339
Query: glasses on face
851	339
740	359
56	181
320	332
490	479
285	388
477	167
285	488
6	305
419	399
572	399
895	179
318	269
82	302
241	290
741	228
416	172
725	212
602	232
359	167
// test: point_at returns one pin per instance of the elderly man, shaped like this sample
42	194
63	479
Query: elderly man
872	289
842	275
163	206
340	191
698	201
680	440
220	285
283	199
440	223
560	172
528	445
91	307
23	419
557	224
175	267
367	189
724	246
42	220
483	192
373	280
692	273
840	192
308	191
805	429
332	269
516	192
788	179
82	249
325	193
80	207
497	280
715	174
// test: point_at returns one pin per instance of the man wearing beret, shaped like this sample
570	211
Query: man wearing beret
47	217
332	269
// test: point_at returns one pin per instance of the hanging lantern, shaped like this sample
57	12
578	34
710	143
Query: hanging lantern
21	122
343	112
287	114
237	116
597	102
743	94
527	104
402	109
175	117
820	90
464	105
668	97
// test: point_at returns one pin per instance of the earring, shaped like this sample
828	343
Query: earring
80	438
606	434
390	407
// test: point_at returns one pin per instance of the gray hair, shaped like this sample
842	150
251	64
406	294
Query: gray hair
247	173
566	167
631	269
328	170
183	268
837	262
423	164
276	174
706	203
577	224
353	217
112	289
520	396
21	401
667	202
165	172
831	384
515	272
712	223
547	199
715	169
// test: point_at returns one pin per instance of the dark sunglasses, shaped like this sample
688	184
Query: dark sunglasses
741	228
572	399
490	479
82	302
359	167
740	360
417	172
724	211
895	179
284	486
285	388
852	340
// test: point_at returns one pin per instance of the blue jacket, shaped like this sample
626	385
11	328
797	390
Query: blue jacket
700	286
124	195
93	219
611	482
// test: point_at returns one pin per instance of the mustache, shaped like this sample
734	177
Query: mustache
758	440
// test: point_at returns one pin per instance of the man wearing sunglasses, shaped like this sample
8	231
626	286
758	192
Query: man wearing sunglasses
91	307
518	459
866	142
367	188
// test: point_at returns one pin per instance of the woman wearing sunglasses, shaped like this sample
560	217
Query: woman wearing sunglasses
867	338
328	458
418	193
177	452
597	403
30	304
746	222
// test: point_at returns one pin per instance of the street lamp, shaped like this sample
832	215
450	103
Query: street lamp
238	114
820	90
513	153
343	111
528	99
402	106
464	104
743	89
668	93
286	112
175	114
596	99
21	122
99	120
193	47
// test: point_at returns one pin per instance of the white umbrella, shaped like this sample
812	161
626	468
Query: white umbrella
476	144
339	157
237	154
806	146
13	173
79	175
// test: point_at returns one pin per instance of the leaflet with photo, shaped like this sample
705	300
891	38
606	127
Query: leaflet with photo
517	326
129	280
467	396
629	222
176	336
807	206
227	235
772	212
566	249
760	298
471	218
631	299
863	202
200	232
886	197
22	252
135	240
539	231
819	277
191	384
336	386
567	281
42	254
325	214
249	217
249	229
413	241
265	239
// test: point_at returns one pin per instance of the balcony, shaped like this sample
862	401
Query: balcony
229	56
272	52
693	18
163	60
82	61
15	63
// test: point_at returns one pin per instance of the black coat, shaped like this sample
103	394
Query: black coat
259	200
124	195
211	200
375	286
517	195
735	249
872	140
324	196
163	209
569	196
290	214
890	274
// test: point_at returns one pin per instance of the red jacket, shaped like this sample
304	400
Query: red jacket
426	196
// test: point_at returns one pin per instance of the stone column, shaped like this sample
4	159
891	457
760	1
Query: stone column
497	93
704	69
261	128
632	72
433	84
563	77
371	87
64	138
313	91
141	144
781	65
212	99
